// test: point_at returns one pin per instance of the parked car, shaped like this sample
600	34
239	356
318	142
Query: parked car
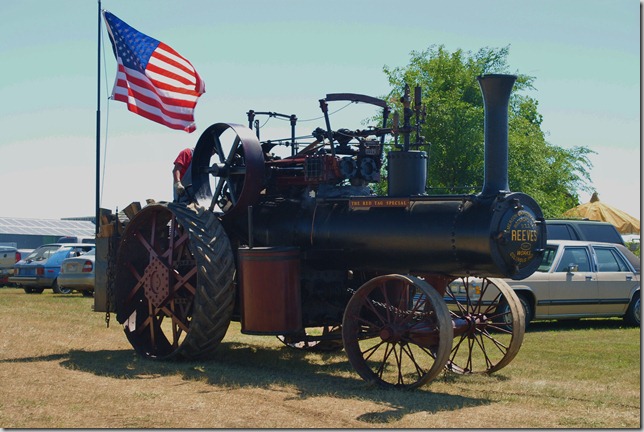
75	239
9	255
579	279
77	273
583	229
40	269
576	279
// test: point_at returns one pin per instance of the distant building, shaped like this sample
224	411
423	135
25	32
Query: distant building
31	233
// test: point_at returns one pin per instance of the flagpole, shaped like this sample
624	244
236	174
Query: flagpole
98	122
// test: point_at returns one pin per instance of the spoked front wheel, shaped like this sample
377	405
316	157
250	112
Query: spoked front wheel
489	324
397	331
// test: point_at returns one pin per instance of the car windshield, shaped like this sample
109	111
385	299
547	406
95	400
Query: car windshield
42	253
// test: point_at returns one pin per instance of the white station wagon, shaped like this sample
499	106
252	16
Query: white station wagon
579	279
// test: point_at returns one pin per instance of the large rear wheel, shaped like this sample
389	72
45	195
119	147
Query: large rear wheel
174	279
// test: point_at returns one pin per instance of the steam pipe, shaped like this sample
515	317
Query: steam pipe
496	91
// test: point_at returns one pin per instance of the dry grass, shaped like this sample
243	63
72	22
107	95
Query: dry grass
60	367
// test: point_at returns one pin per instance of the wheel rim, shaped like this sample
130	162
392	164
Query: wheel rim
397	331
638	311
238	168
489	324
60	290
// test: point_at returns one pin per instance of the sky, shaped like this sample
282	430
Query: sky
283	56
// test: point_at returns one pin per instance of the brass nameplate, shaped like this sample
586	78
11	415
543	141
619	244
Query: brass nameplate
378	202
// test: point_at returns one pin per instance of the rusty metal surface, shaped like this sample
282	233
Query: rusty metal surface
270	290
156	282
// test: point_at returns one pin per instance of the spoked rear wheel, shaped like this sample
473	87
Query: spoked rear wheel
489	324
174	277
397	331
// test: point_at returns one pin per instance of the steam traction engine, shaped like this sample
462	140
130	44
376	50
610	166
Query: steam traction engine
300	248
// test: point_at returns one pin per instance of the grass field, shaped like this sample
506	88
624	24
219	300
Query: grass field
61	367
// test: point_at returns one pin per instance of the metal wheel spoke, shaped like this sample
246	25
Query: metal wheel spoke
369	324
398	357
470	351
139	236
217	194
175	245
389	348
407	350
457	346
232	194
369	303
233	150
502	347
175	319
370	351
218	148
499	329
139	283
478	340
182	281
452	297
386	303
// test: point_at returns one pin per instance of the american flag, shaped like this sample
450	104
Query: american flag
153	80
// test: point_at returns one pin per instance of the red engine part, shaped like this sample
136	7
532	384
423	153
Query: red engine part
305	170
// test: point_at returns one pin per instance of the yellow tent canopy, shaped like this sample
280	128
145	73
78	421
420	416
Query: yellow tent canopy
597	210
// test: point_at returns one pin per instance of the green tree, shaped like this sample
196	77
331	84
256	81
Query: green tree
453	129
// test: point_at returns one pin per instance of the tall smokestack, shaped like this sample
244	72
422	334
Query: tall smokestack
496	91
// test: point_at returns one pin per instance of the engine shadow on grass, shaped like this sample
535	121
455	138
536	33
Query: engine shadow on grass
239	365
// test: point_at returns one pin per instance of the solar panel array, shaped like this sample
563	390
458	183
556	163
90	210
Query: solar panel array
52	227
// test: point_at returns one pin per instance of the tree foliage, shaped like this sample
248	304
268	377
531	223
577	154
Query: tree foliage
454	122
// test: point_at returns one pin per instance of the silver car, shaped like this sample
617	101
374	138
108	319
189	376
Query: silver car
579	279
77	273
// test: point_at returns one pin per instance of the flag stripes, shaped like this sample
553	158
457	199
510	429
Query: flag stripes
153	79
